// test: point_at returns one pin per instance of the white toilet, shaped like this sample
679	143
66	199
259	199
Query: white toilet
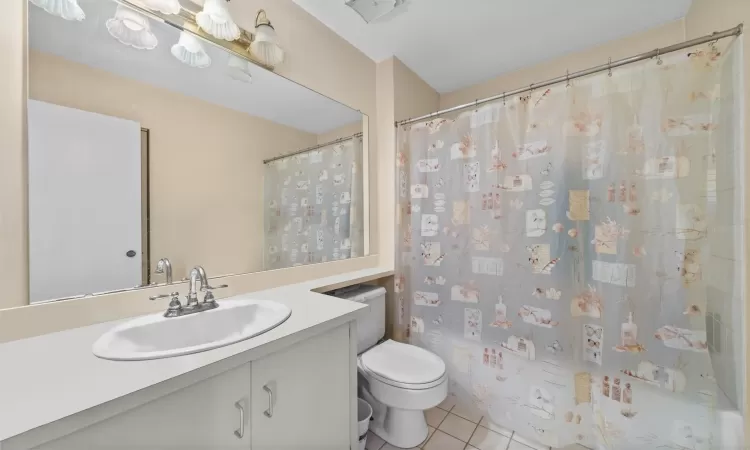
400	381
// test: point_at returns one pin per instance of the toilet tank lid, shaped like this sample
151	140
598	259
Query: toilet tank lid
361	294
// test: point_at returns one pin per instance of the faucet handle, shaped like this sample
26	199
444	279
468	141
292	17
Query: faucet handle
208	300
175	307
211	288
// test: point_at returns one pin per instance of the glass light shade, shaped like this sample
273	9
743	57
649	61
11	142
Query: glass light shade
265	46
239	69
190	51
163	6
67	9
132	28
216	20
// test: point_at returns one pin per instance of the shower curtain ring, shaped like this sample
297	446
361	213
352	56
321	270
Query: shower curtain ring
567	78
503	98
659	62
609	64
713	43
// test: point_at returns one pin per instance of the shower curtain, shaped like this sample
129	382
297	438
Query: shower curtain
313	206
559	251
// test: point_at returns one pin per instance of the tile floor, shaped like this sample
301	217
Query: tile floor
455	427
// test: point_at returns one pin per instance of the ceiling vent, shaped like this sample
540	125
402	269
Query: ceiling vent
376	10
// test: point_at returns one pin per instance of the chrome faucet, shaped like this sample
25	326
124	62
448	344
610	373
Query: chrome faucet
164	265
176	309
196	275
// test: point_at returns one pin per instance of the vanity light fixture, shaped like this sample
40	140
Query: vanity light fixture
214	24
216	20
67	9
239	69
132	28
163	6
265	44
189	50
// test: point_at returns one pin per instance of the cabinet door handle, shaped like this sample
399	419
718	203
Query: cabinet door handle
240	433
269	411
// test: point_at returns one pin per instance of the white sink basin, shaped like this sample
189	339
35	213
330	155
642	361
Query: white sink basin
155	336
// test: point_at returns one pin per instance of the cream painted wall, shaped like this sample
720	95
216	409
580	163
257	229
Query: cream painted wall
14	274
413	96
206	163
386	136
316	58
658	37
705	17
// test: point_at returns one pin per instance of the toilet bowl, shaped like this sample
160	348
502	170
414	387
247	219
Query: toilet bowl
402	382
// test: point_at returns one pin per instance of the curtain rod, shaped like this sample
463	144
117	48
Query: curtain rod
736	31
314	147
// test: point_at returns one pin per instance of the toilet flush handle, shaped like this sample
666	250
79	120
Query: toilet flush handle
269	412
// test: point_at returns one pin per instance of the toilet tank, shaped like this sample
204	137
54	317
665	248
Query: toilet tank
371	325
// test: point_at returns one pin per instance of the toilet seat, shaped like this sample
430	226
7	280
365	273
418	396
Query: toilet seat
402	381
404	366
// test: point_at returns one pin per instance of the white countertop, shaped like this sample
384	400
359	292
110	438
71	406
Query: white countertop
46	378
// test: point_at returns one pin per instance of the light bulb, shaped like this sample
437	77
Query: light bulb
216	20
67	9
132	28
190	51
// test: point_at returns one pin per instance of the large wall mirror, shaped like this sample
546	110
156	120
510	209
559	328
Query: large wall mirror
151	151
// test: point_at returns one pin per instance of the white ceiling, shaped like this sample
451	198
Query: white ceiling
457	43
269	95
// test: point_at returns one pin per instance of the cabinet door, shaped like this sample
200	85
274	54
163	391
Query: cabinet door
202	416
305	391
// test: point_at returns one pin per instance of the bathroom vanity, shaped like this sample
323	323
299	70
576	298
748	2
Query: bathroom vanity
279	400
291	387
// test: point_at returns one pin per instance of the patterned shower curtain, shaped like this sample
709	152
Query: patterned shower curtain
313	206
558	250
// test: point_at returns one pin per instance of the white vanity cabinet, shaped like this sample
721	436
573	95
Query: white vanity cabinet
200	416
306	395
296	398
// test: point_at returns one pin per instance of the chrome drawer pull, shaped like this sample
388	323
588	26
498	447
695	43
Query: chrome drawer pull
241	432
269	411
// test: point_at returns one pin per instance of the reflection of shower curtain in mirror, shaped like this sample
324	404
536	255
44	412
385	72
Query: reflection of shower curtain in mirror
561	252
313	206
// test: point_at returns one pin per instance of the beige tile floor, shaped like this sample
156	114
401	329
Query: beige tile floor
456	427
